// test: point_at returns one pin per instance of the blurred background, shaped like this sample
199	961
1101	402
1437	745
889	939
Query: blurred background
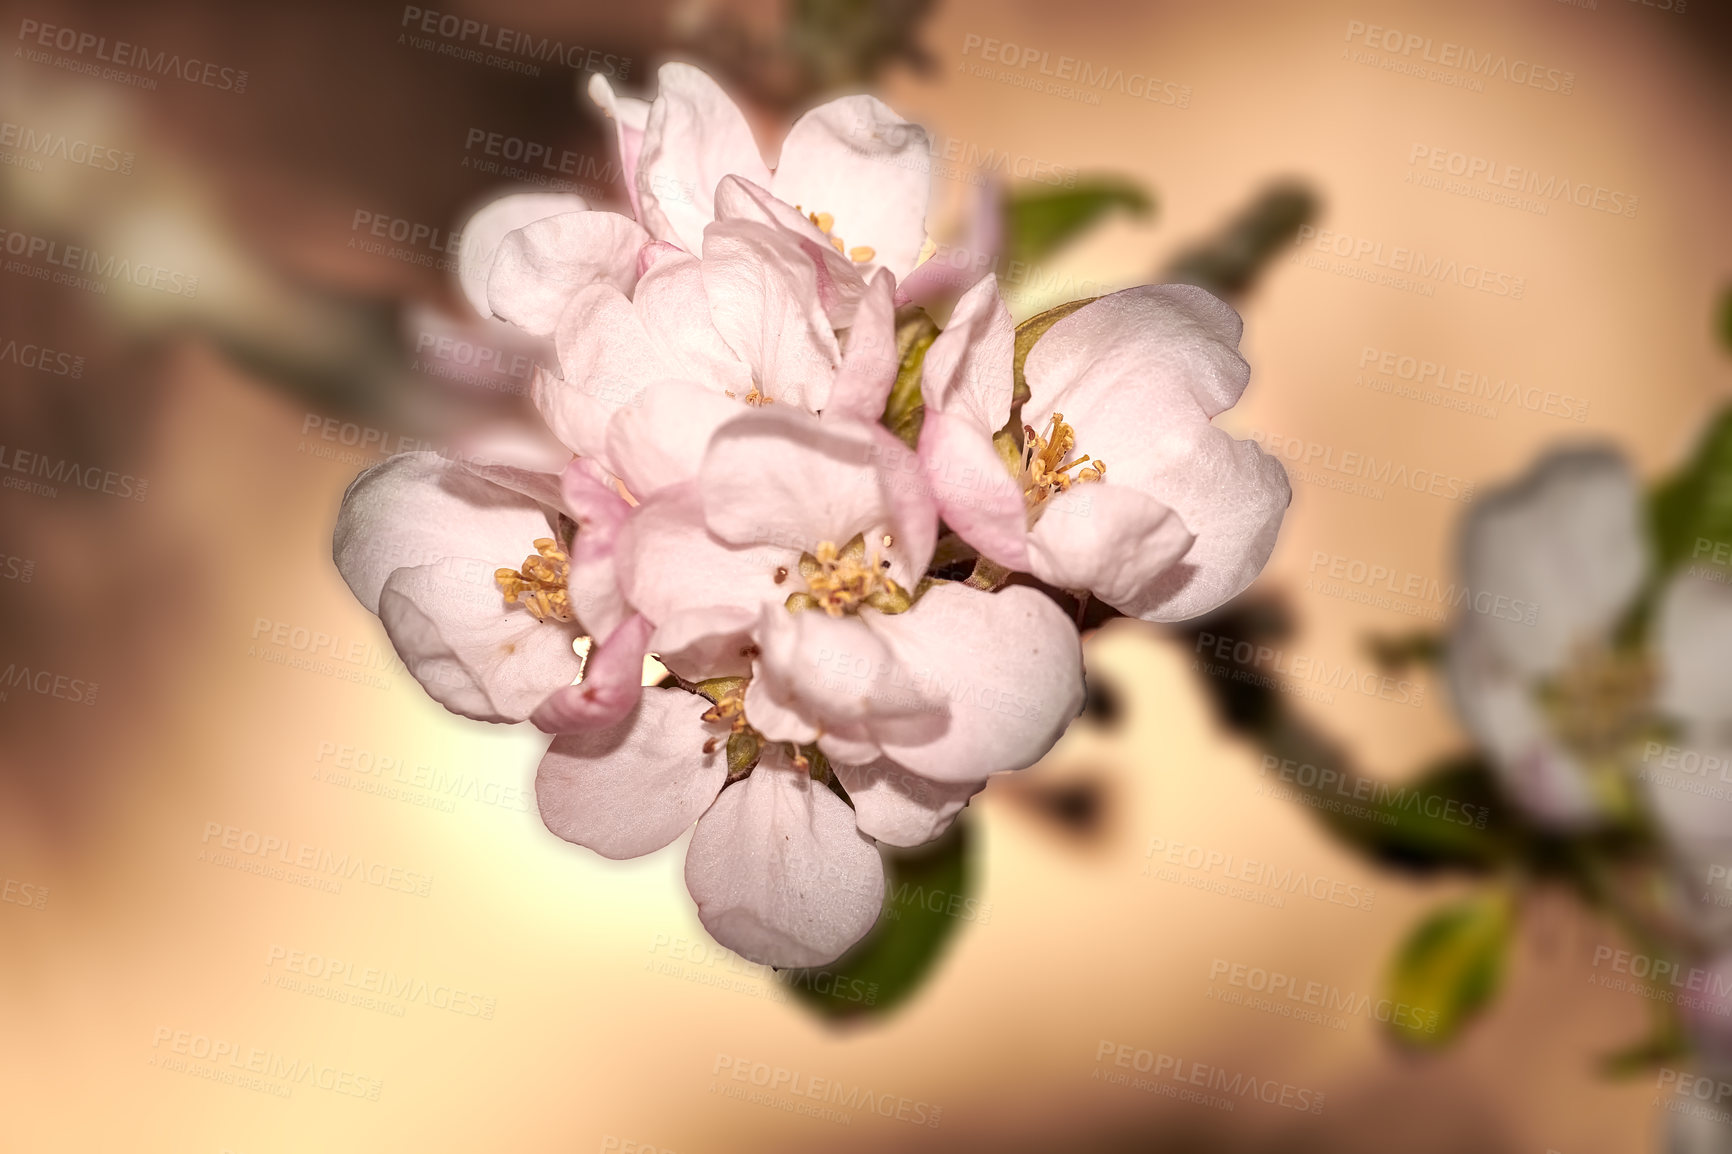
193	703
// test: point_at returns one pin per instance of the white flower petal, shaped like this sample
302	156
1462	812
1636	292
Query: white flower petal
634	787
779	872
611	685
783	478
417	508
763	294
1118	543
473	654
674	308
593	583
1010	665
974	492
489	226
869	359
899	807
1174	343
841	282
1567	540
630	117
693	137
868	168
541	266
668	561
1498	707
968	369
660	439
1694	639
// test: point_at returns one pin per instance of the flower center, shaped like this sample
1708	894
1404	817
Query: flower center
825	223
1599	700
1043	469
840	581
1600	707
540	586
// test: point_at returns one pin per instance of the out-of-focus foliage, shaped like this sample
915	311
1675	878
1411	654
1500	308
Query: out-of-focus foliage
1228	263
1039	220
1449	968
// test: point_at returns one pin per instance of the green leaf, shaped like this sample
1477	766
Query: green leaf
1449	968
1667	1044
1723	321
1039	219
926	902
1228	263
904	410
1691	513
1452	816
1396	651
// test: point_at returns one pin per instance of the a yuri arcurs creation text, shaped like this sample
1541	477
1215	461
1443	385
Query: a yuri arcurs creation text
844	531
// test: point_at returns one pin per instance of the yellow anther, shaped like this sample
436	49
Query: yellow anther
1043	469
540	585
840	580
823	220
861	253
731	709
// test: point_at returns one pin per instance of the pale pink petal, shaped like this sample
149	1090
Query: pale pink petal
868	168
779	872
763	294
952	268
489	226
787	479
416	508
540	267
711	641
899	807
834	674
869	359
473	654
1175	344
674	309
1568	544
1009	664
630	117
634	787
1113	541
975	493
841	284
968	369
612	682
1498	706
606	358
693	137
1693	636
668	561
660	439
600	512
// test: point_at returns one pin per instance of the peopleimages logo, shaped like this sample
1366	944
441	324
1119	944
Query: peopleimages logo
127	55
1396	45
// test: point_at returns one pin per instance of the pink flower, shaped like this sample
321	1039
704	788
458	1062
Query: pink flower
854	169
1122	486
484	576
646	379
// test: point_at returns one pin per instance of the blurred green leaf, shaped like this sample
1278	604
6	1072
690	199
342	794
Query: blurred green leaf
1695	505
1666	1044
904	410
1449	817
1724	320
1039	220
927	899
1449	968
1397	651
1227	263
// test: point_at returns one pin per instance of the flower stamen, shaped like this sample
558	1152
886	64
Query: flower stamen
826	224
1043	469
540	585
840	580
